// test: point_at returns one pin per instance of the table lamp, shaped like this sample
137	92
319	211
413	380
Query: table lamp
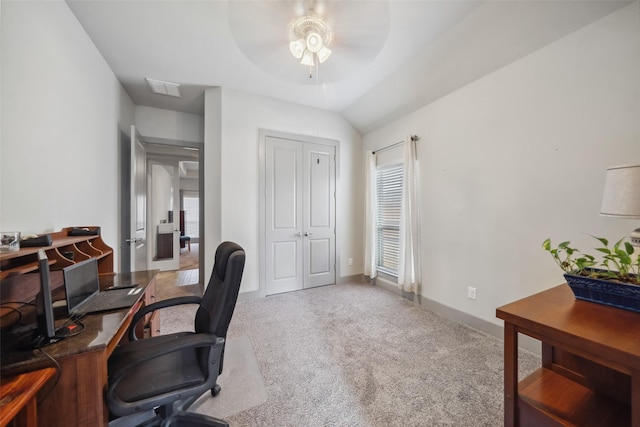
621	196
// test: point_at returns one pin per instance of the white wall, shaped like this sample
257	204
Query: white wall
168	124
242	118
161	195
62	108
160	199
212	176
519	156
189	184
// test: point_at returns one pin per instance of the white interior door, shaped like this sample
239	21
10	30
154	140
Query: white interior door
138	239
319	215
284	262
299	215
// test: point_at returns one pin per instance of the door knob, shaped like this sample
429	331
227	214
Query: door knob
298	234
307	234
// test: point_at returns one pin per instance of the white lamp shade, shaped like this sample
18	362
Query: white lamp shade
297	48
621	196
307	58
314	42
323	54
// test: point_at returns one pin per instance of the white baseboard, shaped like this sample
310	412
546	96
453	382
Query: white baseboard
356	278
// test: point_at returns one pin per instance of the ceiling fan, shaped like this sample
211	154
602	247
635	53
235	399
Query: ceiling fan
263	32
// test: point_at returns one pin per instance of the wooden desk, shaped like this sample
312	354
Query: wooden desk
590	374
78	398
18	397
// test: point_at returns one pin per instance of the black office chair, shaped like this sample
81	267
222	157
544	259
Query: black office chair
153	381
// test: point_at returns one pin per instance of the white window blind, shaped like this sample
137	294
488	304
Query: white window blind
388	211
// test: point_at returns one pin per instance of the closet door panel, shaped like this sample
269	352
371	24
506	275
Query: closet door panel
283	216
319	215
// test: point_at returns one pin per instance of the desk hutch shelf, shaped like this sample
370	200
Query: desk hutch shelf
15	264
83	247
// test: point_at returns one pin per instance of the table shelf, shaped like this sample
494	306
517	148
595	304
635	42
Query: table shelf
548	395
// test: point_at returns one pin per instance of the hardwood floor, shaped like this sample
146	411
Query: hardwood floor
182	282
189	258
168	285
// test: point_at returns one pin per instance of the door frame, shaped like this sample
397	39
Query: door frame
125	204
124	228
262	138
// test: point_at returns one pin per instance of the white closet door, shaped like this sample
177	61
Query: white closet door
284	263
319	215
299	215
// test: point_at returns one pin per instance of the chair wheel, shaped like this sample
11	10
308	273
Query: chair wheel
215	390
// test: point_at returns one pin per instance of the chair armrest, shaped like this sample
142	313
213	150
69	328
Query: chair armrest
157	306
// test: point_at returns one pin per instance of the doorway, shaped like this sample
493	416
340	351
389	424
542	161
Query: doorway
298	225
180	165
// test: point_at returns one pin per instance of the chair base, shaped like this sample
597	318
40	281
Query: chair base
215	390
178	419
189	419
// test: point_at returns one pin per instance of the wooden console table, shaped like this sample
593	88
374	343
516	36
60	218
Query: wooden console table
18	397
78	398
590	374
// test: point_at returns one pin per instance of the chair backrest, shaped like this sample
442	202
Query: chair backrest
219	299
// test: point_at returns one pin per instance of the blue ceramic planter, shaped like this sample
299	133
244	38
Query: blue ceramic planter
608	292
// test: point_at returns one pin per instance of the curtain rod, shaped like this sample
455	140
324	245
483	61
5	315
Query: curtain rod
389	147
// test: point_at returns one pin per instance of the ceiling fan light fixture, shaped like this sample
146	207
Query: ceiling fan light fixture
309	38
314	42
307	58
323	54
297	48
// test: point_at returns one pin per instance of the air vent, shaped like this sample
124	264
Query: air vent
164	88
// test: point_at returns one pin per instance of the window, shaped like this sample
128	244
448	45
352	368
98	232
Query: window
388	211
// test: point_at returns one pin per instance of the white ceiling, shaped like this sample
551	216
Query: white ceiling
389	57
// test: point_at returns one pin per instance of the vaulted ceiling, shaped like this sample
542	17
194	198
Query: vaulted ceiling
389	57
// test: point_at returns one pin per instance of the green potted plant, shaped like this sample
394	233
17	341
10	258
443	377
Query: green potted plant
614	279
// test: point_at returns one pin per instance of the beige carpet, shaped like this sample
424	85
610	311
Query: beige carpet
356	356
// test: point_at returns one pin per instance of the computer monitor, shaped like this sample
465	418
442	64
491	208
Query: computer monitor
44	302
45	331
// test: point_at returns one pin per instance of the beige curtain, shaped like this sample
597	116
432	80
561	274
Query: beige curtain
370	215
409	260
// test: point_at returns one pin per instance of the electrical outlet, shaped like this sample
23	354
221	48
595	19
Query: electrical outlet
471	292
350	261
